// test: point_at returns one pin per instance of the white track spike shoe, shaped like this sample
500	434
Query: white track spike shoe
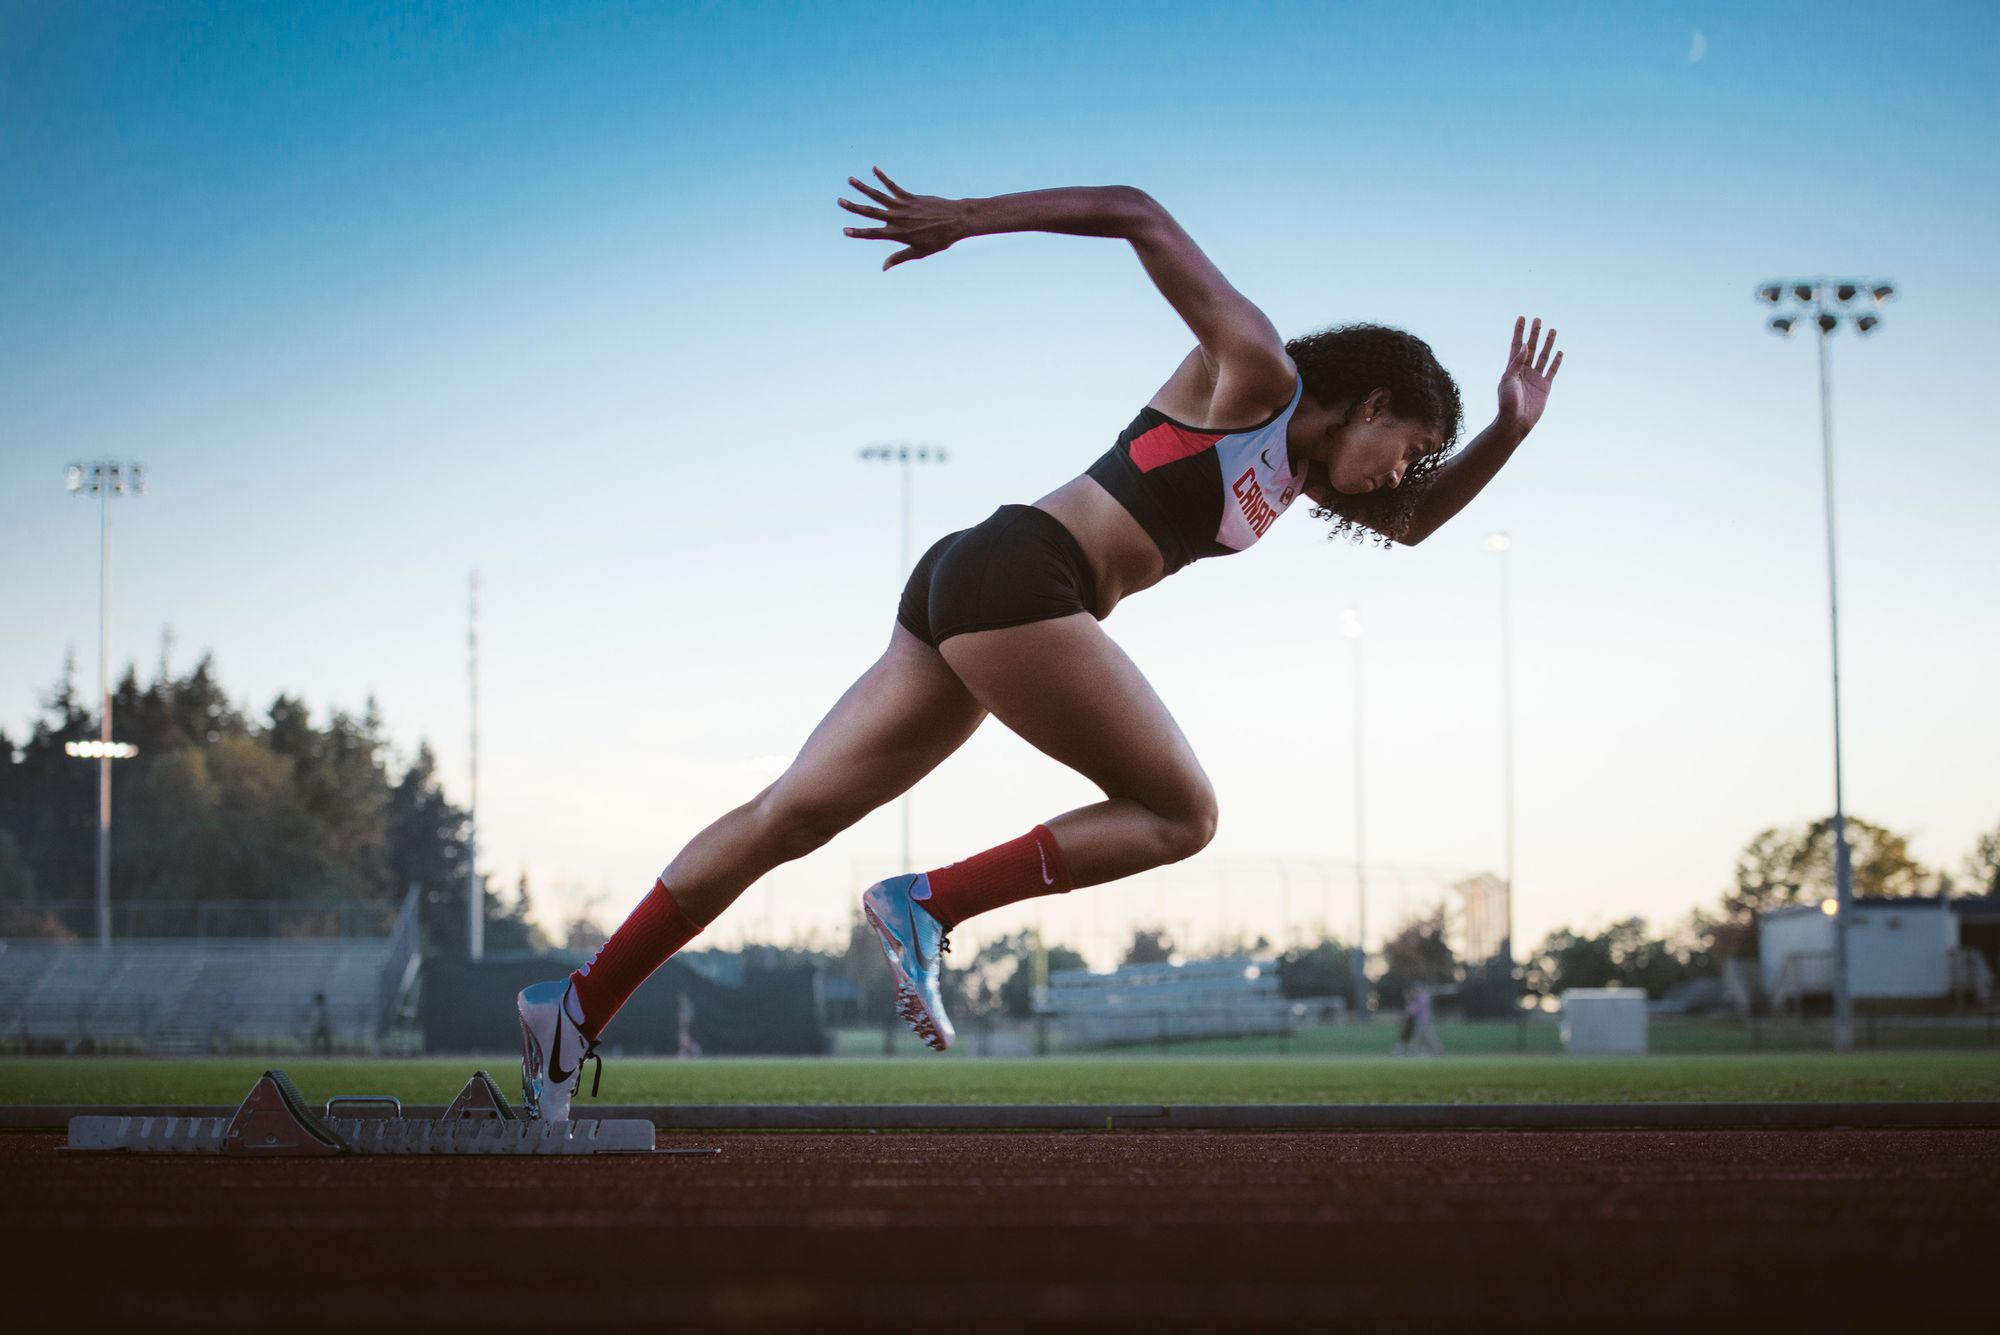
915	943
553	1051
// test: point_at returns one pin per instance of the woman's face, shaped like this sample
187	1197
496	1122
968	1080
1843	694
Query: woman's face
1374	448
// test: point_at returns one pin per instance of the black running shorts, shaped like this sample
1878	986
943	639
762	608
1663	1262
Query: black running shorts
1020	566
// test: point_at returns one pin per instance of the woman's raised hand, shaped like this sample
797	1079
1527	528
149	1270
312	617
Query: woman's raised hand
923	224
1524	388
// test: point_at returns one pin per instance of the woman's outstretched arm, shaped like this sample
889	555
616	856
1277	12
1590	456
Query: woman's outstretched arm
1232	332
1524	392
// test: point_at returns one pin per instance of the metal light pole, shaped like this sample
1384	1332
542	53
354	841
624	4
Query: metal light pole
905	455
475	901
104	478
1350	626
1826	302
1500	544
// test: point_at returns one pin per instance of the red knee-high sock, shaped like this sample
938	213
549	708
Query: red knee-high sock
642	943
1018	869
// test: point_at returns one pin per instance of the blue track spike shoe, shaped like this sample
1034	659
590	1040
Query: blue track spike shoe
553	1051
915	943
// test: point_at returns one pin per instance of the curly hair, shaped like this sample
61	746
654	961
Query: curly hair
1350	361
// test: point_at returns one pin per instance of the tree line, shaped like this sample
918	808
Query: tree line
309	819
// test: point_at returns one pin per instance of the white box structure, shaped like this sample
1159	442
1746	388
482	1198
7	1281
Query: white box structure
1896	948
1604	1021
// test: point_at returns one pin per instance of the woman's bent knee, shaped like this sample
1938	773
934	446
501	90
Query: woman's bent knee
1192	828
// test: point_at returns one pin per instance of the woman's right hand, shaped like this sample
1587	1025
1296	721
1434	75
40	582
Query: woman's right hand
923	224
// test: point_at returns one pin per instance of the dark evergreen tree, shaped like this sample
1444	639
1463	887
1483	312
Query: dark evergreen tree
427	847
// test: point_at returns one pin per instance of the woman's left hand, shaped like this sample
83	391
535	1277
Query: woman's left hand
1524	388
923	224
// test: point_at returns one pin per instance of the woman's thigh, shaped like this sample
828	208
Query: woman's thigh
1068	690
894	725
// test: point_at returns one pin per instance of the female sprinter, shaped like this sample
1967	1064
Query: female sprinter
1001	618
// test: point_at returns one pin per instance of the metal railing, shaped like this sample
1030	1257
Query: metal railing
403	958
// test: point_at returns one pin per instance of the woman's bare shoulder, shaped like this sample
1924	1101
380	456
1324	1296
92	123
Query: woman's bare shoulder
1196	395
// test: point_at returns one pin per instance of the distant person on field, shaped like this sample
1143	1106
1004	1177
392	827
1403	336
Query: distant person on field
322	1034
1002	618
1422	1036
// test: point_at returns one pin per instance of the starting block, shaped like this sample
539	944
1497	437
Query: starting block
274	1120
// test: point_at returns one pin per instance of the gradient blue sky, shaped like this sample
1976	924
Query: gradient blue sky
380	297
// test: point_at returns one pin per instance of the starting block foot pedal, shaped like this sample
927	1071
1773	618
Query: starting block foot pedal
481	1099
273	1119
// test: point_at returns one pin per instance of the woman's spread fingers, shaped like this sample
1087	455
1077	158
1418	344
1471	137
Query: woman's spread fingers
869	191
1547	347
894	188
868	233
865	210
1520	324
1555	366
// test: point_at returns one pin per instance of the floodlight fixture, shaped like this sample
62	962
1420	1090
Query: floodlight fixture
100	750
105	477
922	454
1350	623
1825	302
1498	542
1830	907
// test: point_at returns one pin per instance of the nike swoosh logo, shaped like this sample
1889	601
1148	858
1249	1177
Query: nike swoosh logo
1265	455
1046	878
916	938
556	1072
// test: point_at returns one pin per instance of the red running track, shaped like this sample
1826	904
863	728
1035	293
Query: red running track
1616	1230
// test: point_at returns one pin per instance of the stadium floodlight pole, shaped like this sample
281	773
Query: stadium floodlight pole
1500	544
906	455
104	478
1826	302
475	901
1350	626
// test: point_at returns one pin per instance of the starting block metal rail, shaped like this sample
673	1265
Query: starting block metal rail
274	1120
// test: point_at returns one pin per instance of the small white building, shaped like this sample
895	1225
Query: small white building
1604	1021
1896	948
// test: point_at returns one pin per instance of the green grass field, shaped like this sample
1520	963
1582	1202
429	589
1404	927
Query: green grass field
1105	1079
1537	1035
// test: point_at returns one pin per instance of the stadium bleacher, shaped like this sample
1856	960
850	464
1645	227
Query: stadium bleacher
1159	1003
206	994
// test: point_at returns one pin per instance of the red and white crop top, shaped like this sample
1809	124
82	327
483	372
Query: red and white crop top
1202	493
